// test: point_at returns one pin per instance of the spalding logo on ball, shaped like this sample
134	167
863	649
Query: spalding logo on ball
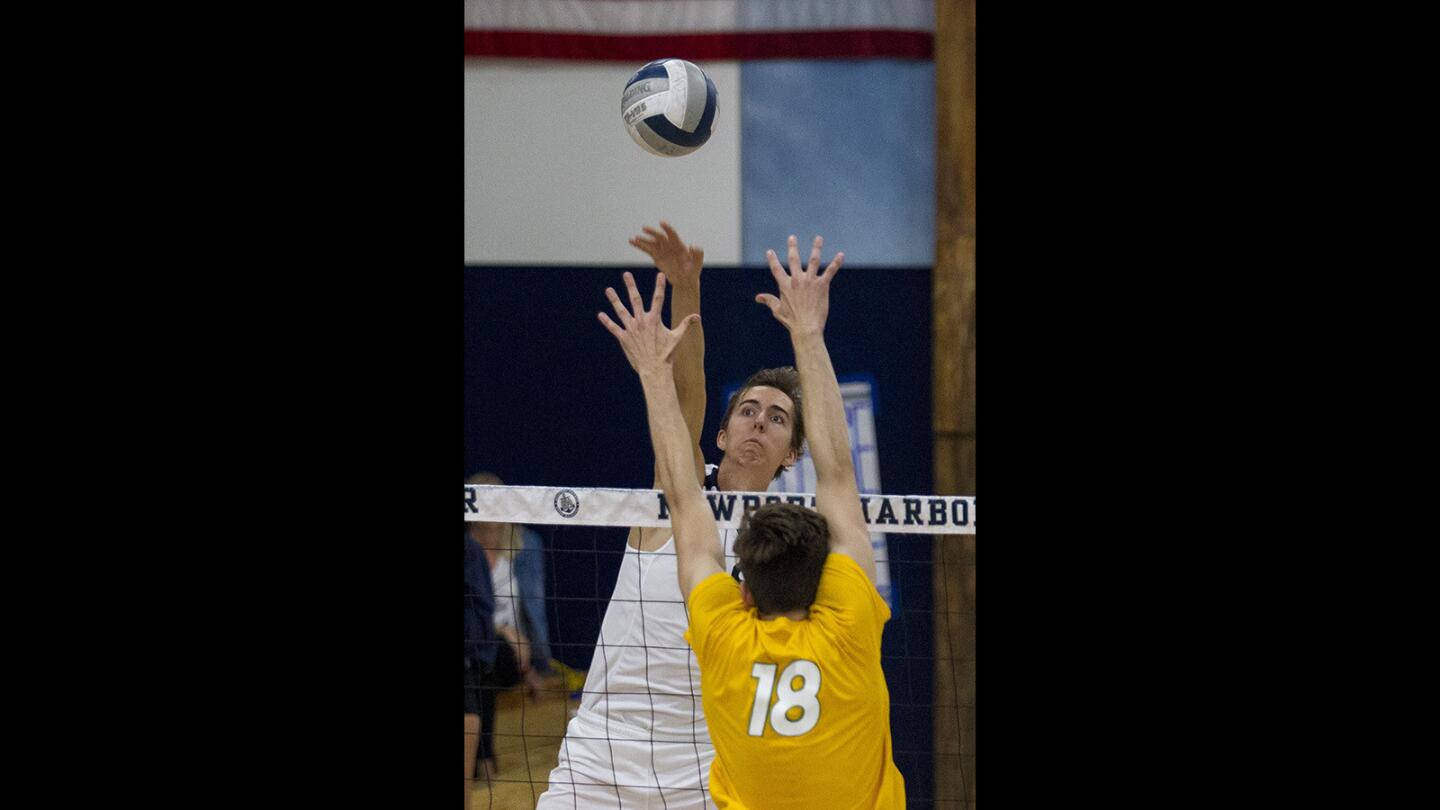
669	107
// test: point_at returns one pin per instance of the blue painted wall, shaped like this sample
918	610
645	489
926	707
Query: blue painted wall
840	147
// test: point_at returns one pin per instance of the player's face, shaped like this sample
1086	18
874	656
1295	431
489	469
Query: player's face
760	429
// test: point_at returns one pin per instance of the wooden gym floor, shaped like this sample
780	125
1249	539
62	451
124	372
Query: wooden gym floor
525	759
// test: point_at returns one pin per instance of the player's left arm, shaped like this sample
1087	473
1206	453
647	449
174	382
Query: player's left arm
802	307
650	348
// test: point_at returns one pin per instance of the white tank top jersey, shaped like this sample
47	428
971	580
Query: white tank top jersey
643	675
502	586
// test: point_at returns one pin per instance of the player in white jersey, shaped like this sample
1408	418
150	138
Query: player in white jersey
639	738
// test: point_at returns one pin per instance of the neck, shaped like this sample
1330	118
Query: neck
734	478
792	615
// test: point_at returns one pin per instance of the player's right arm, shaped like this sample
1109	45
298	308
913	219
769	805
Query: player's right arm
681	265
649	347
802	307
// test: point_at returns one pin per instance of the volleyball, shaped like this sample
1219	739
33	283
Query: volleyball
669	107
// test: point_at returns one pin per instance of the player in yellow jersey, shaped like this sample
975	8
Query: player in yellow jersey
790	674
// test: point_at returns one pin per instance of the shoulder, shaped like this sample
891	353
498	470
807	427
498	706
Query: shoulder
845	566
714	595
717	587
714	605
844	585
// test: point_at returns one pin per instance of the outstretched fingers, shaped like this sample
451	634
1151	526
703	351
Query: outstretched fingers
770	301
658	299
776	270
833	267
610	325
637	304
814	263
684	326
792	254
620	311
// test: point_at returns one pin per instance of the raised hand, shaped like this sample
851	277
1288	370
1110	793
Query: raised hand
681	264
804	301
648	344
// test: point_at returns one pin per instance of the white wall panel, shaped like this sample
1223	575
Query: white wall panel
552	177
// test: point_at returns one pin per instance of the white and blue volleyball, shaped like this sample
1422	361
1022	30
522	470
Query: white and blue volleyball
669	107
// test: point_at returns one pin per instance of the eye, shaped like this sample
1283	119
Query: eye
747	411
778	419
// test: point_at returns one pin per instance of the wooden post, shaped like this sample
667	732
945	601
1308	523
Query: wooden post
953	380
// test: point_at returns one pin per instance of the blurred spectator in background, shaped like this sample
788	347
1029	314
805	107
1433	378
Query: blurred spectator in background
515	557
481	645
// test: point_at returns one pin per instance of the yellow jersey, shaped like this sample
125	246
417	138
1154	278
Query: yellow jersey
798	710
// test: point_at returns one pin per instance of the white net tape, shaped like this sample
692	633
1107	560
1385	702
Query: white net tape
891	514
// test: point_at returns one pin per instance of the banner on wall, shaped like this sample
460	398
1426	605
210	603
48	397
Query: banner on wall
641	30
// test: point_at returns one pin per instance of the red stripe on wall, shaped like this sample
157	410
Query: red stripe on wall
834	43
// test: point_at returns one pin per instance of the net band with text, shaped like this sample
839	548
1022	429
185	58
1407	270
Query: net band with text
891	514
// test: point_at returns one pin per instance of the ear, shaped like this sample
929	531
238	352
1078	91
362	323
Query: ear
790	458
720	440
745	595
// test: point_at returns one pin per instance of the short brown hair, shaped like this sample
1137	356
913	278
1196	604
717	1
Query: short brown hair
785	379
782	549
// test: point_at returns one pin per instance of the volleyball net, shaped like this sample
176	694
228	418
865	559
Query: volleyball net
888	514
570	543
